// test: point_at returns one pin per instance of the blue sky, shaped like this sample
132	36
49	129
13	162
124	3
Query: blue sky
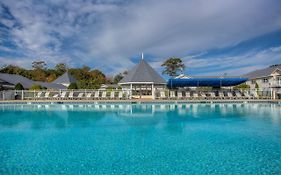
212	37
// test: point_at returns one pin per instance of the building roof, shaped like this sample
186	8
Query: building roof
263	72
66	78
27	83
142	72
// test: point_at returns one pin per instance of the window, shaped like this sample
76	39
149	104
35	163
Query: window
253	82
265	80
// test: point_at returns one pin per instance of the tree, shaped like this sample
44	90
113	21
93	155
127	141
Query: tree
19	86
60	68
39	65
172	66
117	78
242	86
36	87
72	86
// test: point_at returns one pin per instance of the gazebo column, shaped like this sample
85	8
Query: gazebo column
131	90
152	91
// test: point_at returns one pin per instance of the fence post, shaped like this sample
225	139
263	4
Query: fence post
22	95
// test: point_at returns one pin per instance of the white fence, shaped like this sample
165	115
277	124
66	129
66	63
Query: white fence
126	94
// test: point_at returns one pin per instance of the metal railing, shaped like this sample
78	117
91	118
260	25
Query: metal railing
87	94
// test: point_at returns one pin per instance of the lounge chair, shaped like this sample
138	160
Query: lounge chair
179	95
97	95
203	95
221	95
213	95
172	95
56	96
120	95
63	95
230	95
238	94
71	95
255	95
162	95
80	95
195	95
247	95
103	95
88	95
39	95
187	95
112	95
47	94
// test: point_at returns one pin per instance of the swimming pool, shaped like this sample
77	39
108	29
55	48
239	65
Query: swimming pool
140	139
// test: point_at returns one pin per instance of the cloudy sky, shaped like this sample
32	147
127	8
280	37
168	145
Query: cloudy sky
212	37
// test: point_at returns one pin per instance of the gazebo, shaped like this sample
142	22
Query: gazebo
142	81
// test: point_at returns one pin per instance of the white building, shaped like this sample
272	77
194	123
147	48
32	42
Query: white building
142	81
267	80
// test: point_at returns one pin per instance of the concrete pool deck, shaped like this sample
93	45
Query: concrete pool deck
142	101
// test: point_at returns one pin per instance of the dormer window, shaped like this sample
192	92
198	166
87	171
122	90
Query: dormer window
265	80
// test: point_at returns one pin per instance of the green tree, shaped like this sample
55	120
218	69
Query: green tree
72	86
60	68
172	66
118	78
19	86
242	86
36	87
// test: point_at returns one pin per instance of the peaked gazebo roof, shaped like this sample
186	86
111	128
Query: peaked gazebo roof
142	73
66	78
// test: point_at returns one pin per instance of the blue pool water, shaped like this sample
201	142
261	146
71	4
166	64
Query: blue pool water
140	139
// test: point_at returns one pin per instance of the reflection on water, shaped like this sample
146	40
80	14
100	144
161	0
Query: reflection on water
173	117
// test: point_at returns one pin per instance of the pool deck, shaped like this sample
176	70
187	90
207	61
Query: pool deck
142	101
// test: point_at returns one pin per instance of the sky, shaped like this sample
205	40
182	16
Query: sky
215	37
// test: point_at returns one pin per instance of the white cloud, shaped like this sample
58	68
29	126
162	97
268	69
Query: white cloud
106	34
235	65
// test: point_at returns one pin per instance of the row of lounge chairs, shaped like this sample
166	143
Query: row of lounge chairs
207	95
65	95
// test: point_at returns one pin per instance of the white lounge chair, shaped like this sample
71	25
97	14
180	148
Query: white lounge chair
172	95
71	95
255	95
238	94
203	95
88	95
230	95
47	95
179	95
120	95
80	95
221	95
187	95
103	95
97	95
162	95
63	95
195	95
56	95
213	95
39	95
112	94
247	95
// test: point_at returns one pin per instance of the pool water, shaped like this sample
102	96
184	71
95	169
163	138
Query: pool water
140	139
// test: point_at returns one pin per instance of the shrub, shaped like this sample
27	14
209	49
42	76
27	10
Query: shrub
36	87
242	86
72	86
19	86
